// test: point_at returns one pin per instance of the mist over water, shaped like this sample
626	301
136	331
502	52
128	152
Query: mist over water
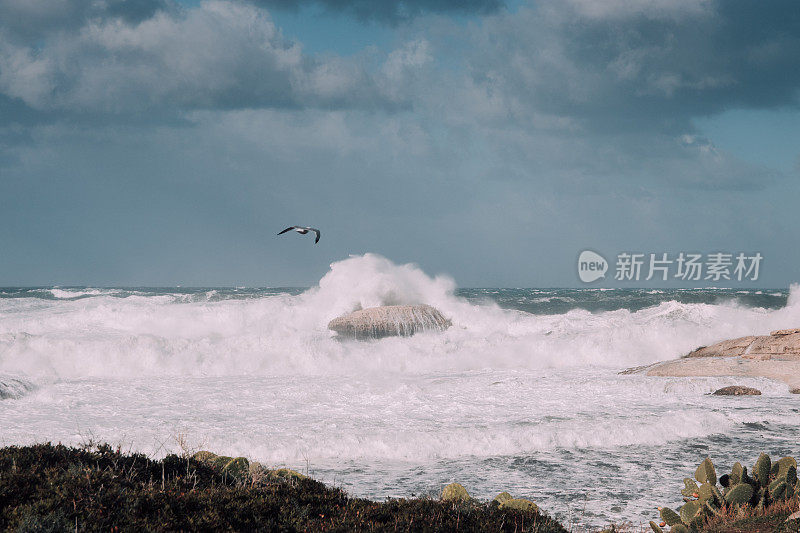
520	394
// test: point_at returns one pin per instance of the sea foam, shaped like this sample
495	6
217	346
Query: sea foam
176	334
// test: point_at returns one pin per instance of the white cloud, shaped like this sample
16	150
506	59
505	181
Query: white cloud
220	54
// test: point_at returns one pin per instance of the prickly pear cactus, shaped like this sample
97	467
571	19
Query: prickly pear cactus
670	517
791	475
705	492
739	494
762	469
719	499
771	482
781	466
737	474
779	492
705	473
690	511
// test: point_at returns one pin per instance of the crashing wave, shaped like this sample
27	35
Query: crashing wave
12	388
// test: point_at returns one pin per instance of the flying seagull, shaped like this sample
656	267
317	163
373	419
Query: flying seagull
302	230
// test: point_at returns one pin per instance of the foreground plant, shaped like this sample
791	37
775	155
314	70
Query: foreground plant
59	488
770	484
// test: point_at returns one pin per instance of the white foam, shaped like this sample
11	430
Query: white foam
264	378
14	387
176	334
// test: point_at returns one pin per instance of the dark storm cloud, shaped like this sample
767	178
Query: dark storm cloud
31	20
389	11
619	68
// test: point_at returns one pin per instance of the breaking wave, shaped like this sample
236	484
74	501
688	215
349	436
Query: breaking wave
117	333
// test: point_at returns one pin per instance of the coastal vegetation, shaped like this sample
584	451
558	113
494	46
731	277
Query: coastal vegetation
54	488
47	488
765	499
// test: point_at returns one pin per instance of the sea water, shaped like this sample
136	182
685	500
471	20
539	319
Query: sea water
522	394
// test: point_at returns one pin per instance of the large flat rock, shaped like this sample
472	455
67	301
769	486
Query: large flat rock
774	356
388	321
781	344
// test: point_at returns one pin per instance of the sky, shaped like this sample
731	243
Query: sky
162	143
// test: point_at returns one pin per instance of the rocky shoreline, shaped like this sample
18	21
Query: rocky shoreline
775	356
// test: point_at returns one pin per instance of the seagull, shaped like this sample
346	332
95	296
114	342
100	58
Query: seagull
302	230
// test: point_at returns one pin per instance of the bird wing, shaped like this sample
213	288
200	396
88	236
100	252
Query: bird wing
318	234
287	229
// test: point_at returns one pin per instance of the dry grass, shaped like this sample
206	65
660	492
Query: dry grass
746	519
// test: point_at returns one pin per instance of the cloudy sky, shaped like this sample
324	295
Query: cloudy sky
164	142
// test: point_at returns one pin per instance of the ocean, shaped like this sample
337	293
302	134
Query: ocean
522	394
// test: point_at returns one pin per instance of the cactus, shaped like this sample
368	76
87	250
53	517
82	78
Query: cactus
739	494
762	469
655	527
779	492
691	487
761	497
689	512
719	499
705	492
670	517
737	474
771	482
712	507
705	473
781	466
791	475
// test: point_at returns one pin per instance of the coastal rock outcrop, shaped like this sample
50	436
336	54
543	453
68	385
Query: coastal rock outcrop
455	492
388	321
783	343
737	390
774	356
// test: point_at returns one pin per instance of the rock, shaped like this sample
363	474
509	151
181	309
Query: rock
774	356
204	456
784	332
263	475
779	344
520	504
237	467
503	497
285	474
795	391
389	320
737	390
455	492
727	348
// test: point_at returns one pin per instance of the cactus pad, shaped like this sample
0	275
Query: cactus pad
739	494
